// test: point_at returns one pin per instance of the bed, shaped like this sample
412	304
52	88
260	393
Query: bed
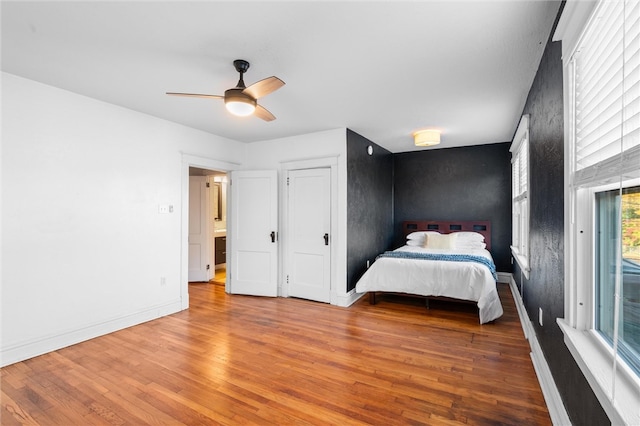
435	263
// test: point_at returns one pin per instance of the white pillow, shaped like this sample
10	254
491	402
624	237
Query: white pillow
419	235
470	236
440	241
418	238
472	245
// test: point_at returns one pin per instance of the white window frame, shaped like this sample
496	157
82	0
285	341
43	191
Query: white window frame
614	383
520	195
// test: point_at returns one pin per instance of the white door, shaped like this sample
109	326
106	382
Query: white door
254	233
309	226
199	269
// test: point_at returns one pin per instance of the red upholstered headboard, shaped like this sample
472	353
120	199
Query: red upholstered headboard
447	226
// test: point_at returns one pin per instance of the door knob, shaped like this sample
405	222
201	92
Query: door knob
326	239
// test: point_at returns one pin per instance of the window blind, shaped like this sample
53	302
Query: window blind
515	177
524	163
520	162
607	96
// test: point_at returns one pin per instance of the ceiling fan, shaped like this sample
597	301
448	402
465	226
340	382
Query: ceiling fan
242	100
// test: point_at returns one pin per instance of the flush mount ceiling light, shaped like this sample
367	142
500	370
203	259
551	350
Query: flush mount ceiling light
428	137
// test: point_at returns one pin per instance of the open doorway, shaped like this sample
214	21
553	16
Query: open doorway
207	243
212	165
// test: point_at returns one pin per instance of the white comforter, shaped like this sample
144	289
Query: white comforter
459	280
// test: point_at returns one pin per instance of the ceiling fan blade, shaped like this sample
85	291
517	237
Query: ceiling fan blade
261	112
195	95
264	87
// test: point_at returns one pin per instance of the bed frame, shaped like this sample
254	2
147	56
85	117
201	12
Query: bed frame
444	227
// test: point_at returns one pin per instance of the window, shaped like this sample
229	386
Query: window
601	56
617	271
520	195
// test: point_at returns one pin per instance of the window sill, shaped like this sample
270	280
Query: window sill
595	361
523	262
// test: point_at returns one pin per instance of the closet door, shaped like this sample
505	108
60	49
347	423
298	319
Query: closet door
309	234
253	241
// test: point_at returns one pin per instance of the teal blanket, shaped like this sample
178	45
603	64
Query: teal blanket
441	256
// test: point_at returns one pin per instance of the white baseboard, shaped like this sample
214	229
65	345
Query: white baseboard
346	300
504	277
25	350
552	397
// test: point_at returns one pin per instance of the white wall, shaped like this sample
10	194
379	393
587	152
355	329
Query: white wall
83	245
272	153
306	149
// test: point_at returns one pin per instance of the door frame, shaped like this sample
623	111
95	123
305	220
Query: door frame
189	160
318	163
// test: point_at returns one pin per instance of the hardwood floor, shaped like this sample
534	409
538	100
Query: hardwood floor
219	277
249	360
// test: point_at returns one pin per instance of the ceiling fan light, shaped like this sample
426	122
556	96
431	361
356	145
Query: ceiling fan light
240	107
428	137
239	103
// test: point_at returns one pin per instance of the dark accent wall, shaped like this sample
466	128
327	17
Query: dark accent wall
545	286
369	204
468	183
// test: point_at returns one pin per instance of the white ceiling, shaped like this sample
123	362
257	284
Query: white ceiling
382	69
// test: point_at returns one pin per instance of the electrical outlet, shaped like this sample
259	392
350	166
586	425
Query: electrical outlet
163	281
540	316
